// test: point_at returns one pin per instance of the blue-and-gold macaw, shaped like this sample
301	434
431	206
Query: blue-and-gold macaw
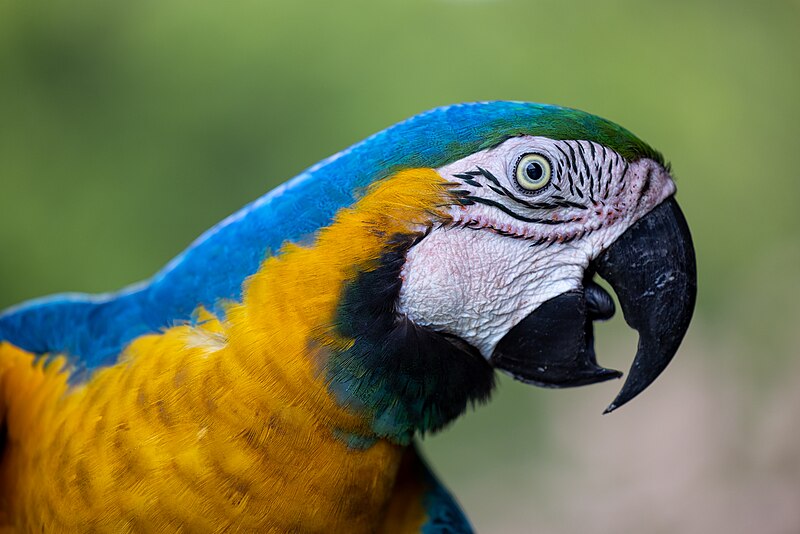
273	376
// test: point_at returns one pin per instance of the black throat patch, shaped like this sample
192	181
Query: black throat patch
407	377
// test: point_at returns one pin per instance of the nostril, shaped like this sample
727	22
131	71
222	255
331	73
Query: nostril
599	304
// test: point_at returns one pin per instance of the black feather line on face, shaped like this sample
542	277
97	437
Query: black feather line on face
466	199
498	191
507	211
589	173
468	179
574	162
569	174
407	377
531	205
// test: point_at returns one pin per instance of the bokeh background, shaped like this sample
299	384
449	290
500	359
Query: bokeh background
128	128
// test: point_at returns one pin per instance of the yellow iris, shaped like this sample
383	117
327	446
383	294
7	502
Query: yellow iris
533	172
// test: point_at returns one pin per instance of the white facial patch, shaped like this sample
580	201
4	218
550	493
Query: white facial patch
506	251
476	284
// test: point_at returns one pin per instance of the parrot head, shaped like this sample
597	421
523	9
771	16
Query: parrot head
511	272
540	201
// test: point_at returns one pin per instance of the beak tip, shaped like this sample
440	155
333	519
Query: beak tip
630	390
617	403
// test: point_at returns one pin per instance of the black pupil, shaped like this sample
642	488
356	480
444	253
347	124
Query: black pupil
534	171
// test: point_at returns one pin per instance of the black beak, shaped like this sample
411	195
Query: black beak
651	267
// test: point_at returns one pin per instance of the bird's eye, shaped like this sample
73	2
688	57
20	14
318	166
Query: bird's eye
533	172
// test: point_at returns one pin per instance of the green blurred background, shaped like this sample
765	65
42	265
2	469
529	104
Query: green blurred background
126	129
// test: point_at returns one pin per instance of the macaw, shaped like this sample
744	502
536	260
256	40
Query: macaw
273	376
